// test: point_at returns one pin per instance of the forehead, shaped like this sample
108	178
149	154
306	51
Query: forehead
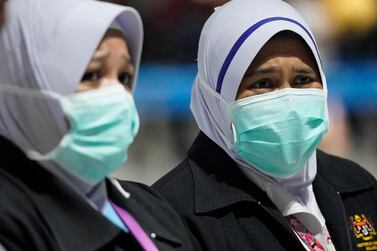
113	36
283	45
113	46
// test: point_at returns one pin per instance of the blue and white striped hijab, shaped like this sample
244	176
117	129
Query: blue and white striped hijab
230	40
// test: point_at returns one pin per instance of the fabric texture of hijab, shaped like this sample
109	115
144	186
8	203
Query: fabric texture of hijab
46	45
230	40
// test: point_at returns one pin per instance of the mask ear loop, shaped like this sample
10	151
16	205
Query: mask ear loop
28	92
34	155
204	86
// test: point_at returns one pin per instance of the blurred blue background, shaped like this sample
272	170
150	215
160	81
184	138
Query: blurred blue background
167	88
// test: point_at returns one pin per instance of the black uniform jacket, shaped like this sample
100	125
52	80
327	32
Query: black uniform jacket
225	211
40	212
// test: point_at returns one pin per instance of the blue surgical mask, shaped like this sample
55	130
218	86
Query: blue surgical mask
103	123
278	132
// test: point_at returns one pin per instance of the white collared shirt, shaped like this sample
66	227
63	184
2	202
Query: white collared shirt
307	213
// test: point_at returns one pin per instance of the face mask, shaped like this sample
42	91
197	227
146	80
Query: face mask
277	132
103	123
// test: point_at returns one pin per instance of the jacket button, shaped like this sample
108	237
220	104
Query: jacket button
153	235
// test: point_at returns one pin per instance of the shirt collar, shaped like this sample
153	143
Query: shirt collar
307	212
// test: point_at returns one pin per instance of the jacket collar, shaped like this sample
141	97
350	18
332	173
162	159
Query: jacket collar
218	181
124	194
344	175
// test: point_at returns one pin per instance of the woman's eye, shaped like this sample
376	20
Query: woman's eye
263	84
90	76
125	79
303	80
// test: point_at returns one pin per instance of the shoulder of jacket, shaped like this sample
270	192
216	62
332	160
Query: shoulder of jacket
137	188
17	207
175	177
343	173
11	189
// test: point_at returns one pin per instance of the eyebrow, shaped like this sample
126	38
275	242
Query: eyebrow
127	59
272	70
100	56
128	65
263	71
304	71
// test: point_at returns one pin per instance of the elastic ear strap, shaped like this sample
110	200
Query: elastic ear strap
214	94
37	156
205	85
28	92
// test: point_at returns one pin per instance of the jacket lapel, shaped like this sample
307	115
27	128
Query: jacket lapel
337	179
327	187
332	210
141	212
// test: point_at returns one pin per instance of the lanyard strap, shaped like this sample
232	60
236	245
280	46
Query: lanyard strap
306	236
135	229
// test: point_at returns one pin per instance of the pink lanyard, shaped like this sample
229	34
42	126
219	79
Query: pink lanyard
305	235
135	229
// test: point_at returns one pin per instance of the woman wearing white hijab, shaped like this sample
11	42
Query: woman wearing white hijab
67	117
250	181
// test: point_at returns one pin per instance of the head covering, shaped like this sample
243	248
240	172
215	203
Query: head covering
230	40
46	45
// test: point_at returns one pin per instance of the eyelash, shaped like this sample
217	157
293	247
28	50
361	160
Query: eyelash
90	76
309	80
270	83
256	84
124	78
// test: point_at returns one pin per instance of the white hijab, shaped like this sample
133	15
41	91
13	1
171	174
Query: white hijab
230	40
46	45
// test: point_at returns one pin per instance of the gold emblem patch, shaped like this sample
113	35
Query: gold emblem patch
364	231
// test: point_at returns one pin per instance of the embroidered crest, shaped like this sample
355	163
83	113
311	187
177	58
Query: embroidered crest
364	231
362	227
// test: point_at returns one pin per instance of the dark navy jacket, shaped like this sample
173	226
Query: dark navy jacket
39	212
225	211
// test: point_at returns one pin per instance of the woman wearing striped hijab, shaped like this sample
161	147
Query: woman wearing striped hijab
254	179
67	117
